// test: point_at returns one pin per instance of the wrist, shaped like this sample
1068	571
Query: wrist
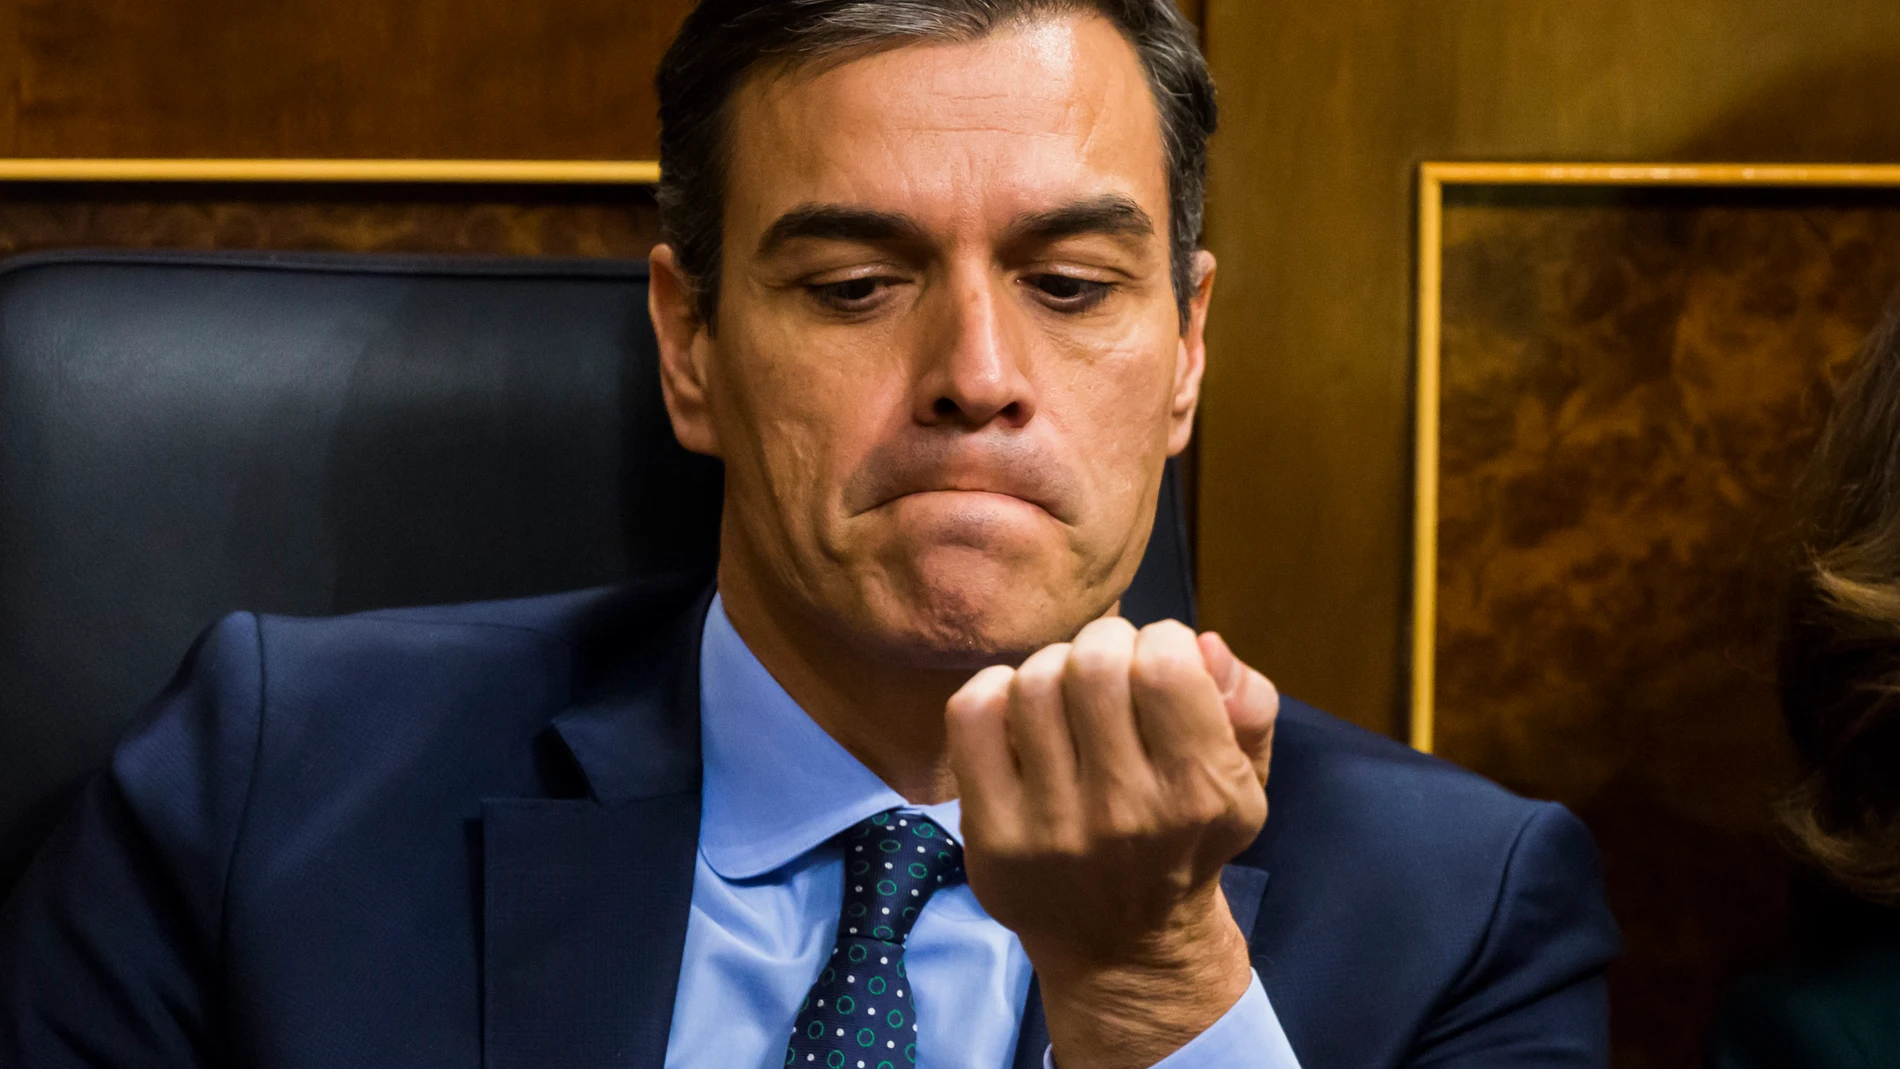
1131	1009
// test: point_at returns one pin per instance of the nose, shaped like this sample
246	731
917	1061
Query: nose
975	369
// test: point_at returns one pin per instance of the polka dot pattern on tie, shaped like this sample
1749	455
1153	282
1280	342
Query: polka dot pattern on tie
860	1013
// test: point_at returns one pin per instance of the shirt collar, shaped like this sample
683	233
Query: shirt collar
776	785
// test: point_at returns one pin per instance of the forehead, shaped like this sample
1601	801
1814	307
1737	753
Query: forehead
953	133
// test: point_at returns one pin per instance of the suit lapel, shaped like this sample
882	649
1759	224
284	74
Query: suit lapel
585	901
1244	887
585	921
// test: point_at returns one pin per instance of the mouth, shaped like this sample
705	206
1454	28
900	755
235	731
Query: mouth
956	472
1000	497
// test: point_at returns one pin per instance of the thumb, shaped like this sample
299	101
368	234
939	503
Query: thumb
1252	701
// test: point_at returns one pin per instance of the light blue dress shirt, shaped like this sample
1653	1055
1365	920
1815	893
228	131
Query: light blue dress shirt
769	884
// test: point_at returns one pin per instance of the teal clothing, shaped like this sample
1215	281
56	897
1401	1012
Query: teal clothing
1836	1008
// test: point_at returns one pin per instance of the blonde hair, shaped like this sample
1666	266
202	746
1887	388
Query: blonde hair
1840	672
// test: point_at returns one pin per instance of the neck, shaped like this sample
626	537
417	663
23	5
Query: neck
890	717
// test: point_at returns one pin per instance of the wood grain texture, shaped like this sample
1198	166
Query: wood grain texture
1631	386
1326	111
9	74
421	78
498	221
1305	507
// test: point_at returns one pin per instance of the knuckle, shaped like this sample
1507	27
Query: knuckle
1205	807
1000	843
1048	657
981	696
1168	638
1164	668
1167	630
1122	819
1094	665
1260	697
1042	671
1216	790
1109	631
1043	844
1252	812
965	715
1235	770
1067	845
1269	694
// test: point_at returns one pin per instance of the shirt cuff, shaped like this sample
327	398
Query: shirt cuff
1247	1036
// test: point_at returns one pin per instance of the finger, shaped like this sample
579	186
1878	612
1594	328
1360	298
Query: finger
1179	711
1221	662
1251	700
1095	690
976	723
1039	732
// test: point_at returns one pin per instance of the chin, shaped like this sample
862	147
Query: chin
967	611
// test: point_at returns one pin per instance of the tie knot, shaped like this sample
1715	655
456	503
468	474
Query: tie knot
893	863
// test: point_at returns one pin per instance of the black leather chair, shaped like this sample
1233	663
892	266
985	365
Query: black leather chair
182	435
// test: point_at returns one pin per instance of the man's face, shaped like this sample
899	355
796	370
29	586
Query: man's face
948	361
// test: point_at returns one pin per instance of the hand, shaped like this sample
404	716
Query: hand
1104	784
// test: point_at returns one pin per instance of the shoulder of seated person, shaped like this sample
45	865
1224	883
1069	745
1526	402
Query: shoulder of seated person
1367	826
431	692
577	617
1325	769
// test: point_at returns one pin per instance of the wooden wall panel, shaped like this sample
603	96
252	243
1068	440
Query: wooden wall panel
1305	512
423	78
1632	383
478	220
1327	109
9	63
551	79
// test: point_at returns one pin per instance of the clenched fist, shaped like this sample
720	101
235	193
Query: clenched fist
1104	784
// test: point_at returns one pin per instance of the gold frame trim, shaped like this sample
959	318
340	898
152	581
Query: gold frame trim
1432	180
447	172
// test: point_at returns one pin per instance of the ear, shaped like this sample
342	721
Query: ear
1191	362
685	352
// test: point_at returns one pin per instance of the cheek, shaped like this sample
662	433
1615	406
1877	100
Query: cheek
1115	409
807	406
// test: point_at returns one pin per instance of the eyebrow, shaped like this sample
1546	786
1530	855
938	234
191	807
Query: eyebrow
1111	214
839	222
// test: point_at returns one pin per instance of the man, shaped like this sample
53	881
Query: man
905	790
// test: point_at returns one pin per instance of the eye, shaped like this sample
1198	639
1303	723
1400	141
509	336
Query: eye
852	294
1067	293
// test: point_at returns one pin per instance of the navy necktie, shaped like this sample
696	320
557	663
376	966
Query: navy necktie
861	1013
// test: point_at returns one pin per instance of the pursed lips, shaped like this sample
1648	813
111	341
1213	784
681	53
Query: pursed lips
976	491
1016	468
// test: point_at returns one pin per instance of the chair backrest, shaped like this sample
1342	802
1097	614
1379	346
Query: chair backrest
182	435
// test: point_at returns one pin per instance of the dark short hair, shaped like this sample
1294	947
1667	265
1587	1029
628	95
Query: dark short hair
724	40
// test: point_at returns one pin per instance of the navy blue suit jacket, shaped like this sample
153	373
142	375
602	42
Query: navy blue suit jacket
465	837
